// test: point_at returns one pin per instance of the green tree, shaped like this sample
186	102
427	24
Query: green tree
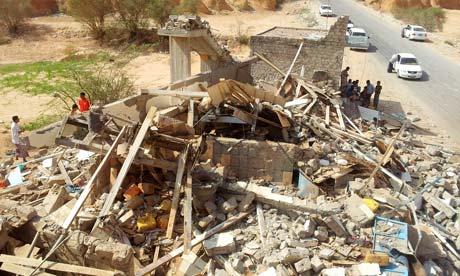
92	13
186	7
133	14
13	13
160	10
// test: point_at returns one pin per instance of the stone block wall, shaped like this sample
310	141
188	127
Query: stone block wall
257	159
323	54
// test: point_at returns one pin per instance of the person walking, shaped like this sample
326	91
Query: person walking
378	89
20	150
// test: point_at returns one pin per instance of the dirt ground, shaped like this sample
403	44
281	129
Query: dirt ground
52	38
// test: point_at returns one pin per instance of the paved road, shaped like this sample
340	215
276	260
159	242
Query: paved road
439	90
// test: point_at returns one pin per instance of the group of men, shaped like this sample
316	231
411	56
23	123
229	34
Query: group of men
20	148
351	90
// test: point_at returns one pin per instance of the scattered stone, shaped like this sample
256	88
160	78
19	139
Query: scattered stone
433	150
333	271
308	229
229	205
358	211
238	265
321	234
246	202
334	223
316	264
326	253
303	265
366	269
218	244
292	255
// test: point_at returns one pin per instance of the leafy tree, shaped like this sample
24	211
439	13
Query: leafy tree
160	10
133	14
13	13
92	13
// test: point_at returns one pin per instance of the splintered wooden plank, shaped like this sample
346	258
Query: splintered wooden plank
310	106
127	164
207	234
21	270
90	185
56	266
67	179
328	114
339	114
176	195
188	214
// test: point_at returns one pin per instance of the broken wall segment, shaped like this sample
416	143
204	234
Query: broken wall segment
321	51
247	159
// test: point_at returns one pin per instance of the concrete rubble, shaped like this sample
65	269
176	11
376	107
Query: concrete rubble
229	178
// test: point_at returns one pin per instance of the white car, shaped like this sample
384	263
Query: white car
325	10
414	32
405	65
357	38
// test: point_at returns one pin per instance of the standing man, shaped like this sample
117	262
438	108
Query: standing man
83	102
378	89
344	77
15	131
368	91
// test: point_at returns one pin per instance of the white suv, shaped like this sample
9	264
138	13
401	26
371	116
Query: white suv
414	32
325	10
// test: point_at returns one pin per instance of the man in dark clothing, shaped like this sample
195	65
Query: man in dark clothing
378	89
343	78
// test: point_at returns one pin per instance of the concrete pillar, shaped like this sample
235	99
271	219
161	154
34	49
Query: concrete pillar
180	58
207	63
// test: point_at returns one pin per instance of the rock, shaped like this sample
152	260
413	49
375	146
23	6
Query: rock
334	223
303	265
218	244
429	246
292	255
326	253
305	243
55	198
272	259
229	205
324	162
350	226
453	159
210	207
439	217
333	271
281	270
314	164
321	234
358	211
433	150
238	265
316	264
271	272
366	269
308	229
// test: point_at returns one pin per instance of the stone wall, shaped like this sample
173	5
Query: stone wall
321	54
249	158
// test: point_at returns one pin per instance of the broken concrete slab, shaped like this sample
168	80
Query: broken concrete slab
56	197
334	223
303	265
358	211
222	243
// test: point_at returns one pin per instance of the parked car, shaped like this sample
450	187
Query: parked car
350	25
414	32
357	38
405	65
325	10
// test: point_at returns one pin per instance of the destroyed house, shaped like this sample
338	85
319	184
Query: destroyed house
214	174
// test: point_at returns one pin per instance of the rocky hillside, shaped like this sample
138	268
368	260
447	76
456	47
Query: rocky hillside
388	5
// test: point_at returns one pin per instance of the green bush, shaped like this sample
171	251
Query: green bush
103	84
13	13
186	7
132	14
160	10
431	18
92	13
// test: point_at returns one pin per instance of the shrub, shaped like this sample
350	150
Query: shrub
103	84
242	35
41	121
13	13
92	13
186	7
431	18
160	10
133	14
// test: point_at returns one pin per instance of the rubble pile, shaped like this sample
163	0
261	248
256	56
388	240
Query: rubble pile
235	180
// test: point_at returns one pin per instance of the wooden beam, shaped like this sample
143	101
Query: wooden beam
90	185
207	234
56	266
176	195
67	179
271	64
223	262
156	163
23	271
261	222
188	214
126	165
310	106
290	68
328	114
339	115
177	93
255	117
155	256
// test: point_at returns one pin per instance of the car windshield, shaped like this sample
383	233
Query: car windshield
358	34
326	7
408	61
419	29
